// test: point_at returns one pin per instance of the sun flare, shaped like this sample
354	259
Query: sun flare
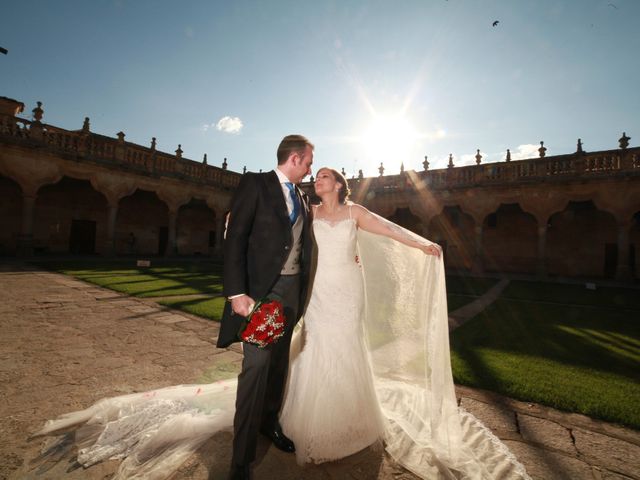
388	139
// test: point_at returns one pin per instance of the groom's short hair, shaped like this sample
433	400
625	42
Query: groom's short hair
290	144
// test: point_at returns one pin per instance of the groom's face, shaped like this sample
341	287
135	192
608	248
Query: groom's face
301	166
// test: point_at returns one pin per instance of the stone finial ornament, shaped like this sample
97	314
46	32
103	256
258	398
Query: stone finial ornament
478	157
579	146
244	169
401	167
86	125
451	165
121	136
542	151
224	163
381	169
37	112
204	159
344	174
153	143
508	158
360	174
425	164
179	151
623	141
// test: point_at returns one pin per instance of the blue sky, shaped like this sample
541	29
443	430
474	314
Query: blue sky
366	81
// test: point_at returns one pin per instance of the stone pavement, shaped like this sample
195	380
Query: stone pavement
65	344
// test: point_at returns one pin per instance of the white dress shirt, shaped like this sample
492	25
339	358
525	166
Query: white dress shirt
285	190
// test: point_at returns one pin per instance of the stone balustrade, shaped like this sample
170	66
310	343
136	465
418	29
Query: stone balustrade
579	166
103	150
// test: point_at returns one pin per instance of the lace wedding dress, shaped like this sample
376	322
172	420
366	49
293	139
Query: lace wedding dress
331	409
371	362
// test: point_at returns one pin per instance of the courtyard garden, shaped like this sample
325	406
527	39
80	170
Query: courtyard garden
573	348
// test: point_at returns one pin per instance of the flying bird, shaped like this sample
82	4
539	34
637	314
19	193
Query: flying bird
4	50
495	24
612	5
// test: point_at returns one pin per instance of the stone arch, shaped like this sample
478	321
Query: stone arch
582	241
30	173
142	227
196	228
510	240
10	215
405	217
70	216
454	230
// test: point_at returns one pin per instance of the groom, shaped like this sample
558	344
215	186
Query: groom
267	251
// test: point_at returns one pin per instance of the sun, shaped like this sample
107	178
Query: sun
389	139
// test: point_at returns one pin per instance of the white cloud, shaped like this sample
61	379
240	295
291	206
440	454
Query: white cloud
229	124
469	159
525	151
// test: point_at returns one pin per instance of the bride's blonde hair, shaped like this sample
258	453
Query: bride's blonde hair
344	192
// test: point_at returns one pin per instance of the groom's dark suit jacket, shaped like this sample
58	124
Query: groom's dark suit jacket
257	244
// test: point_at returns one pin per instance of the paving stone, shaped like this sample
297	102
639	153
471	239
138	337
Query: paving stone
546	432
608	475
169	319
494	417
544	464
142	309
611	453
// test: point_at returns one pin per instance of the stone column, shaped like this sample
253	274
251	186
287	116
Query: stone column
25	240
541	266
110	247
478	266
172	247
623	271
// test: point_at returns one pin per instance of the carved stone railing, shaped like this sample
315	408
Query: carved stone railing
91	147
574	167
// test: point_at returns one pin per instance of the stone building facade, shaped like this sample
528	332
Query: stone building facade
64	191
80	192
575	215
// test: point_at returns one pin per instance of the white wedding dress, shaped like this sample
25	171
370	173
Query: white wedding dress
331	409
371	362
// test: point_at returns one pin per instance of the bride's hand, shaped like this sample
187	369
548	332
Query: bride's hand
433	249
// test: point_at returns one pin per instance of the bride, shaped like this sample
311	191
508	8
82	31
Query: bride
371	363
331	409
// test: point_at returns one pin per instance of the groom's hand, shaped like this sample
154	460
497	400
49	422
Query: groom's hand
242	305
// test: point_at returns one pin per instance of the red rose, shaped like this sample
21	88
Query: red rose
265	324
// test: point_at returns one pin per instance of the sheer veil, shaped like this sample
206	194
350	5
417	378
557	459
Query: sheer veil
406	326
408	340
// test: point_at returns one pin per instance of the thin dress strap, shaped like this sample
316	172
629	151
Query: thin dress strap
350	217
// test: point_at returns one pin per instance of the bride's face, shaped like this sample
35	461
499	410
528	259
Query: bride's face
325	183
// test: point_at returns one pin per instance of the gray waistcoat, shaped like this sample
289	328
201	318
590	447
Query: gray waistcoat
292	265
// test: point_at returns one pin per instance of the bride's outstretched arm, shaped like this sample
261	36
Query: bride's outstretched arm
372	223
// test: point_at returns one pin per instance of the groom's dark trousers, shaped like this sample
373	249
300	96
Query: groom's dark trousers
262	381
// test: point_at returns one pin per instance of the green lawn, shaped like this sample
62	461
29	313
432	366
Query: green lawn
560	345
163	279
210	308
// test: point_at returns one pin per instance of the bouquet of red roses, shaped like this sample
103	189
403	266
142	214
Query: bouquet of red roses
265	324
